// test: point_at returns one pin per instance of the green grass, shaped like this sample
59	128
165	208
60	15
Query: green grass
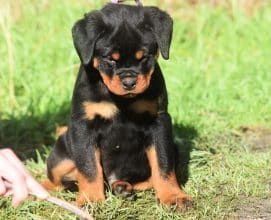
218	79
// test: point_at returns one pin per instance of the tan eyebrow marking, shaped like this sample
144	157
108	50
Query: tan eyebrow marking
139	54
115	56
95	62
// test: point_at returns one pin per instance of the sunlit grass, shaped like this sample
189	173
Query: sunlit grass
218	79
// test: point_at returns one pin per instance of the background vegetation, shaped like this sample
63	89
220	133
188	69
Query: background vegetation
219	84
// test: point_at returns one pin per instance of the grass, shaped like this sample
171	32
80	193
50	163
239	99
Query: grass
218	79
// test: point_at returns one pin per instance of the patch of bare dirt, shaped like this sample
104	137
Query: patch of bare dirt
256	138
254	209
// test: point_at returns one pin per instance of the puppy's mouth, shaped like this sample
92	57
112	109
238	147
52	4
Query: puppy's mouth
127	85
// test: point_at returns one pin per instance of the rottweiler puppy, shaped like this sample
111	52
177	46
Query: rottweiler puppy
120	131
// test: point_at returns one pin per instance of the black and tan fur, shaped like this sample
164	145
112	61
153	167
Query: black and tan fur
120	131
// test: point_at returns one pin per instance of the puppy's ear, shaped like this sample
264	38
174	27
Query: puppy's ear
85	33
162	27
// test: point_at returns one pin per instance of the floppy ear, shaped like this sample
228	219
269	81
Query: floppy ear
85	33
162	27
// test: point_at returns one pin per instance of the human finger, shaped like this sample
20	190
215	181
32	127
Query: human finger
16	179
8	193
11	156
20	192
35	188
32	185
2	187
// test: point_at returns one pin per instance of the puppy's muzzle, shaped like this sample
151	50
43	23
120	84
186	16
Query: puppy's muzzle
129	83
128	80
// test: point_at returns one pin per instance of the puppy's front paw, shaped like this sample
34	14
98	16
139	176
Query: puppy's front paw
181	200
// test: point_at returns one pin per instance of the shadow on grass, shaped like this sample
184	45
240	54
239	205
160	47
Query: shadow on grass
28	133
184	138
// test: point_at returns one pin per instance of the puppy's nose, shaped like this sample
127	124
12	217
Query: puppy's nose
129	83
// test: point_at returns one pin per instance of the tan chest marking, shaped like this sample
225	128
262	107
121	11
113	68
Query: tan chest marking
104	109
143	106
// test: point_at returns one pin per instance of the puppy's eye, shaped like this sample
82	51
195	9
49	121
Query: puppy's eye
139	55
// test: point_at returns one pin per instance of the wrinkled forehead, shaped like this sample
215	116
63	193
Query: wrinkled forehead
125	29
126	39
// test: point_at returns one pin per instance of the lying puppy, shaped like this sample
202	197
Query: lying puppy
120	131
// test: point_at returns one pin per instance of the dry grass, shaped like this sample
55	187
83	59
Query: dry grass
246	6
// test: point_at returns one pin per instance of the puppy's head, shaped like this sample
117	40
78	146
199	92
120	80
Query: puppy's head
122	42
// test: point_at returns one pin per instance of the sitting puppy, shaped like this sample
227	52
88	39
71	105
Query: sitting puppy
120	131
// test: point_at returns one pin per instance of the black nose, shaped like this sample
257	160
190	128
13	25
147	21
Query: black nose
129	83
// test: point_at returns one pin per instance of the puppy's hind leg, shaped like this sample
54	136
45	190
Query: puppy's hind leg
59	166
